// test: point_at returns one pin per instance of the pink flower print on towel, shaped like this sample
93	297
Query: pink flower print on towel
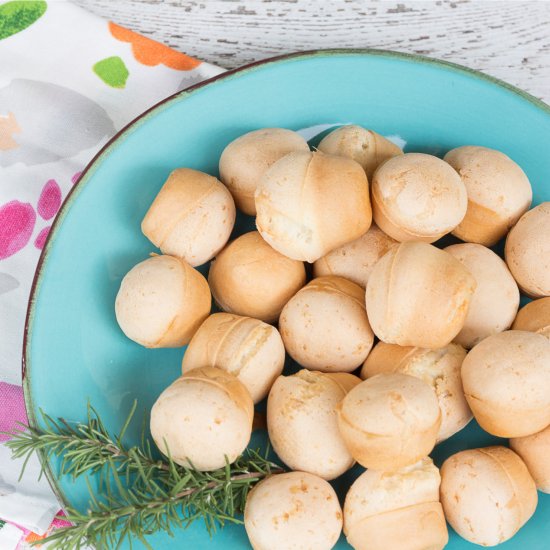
17	221
75	177
50	200
40	240
48	205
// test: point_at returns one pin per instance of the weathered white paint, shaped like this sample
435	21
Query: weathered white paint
506	39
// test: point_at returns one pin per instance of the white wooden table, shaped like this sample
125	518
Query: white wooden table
506	39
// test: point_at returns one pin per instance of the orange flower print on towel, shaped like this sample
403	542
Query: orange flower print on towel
8	127
151	53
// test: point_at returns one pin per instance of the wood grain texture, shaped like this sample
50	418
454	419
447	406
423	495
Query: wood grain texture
506	39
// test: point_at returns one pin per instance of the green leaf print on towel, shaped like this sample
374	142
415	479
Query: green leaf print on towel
18	15
112	71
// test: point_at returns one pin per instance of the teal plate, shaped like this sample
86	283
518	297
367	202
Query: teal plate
74	350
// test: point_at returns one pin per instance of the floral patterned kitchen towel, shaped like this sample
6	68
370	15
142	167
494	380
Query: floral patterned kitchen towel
68	81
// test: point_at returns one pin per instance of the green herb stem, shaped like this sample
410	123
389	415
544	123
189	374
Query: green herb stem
137	494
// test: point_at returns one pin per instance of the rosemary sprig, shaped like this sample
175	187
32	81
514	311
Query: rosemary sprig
137	494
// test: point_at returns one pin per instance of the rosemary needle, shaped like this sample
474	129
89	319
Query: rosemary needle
138	494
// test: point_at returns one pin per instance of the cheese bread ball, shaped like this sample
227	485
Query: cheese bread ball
399	510
528	251
417	197
161	302
191	217
244	161
355	260
418	295
506	380
534	317
495	302
498	193
302	424
250	278
311	203
293	511
487	494
535	452
364	146
440	368
203	419
325	326
247	348
389	421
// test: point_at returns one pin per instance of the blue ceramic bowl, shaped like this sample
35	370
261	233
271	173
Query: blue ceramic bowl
74	350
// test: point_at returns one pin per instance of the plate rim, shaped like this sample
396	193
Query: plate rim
93	164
